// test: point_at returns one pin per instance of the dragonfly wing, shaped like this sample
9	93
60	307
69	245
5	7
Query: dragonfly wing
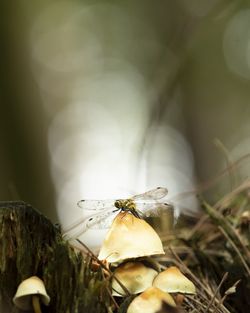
101	220
95	205
154	194
152	208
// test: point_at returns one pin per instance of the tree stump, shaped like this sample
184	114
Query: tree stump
31	245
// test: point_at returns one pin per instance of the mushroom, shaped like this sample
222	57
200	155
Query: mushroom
173	281
135	276
29	293
150	301
245	218
129	237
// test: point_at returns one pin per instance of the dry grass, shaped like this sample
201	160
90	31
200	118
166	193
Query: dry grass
214	251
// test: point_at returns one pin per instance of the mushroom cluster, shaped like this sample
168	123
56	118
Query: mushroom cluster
128	239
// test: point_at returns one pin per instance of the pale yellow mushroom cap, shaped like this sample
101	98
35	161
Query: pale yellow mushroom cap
27	288
135	276
150	301
129	237
173	281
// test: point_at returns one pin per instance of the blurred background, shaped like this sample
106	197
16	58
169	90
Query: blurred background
106	99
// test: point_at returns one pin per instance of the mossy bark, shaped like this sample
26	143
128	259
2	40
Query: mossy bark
31	245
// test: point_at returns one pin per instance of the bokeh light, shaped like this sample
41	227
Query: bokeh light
93	65
127	96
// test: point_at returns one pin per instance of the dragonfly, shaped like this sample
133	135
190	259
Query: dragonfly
141	206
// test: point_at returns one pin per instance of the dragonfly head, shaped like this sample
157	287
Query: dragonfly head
127	204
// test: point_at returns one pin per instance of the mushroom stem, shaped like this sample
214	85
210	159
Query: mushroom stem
36	304
179	299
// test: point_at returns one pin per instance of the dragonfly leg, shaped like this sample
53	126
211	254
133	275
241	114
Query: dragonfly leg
136	214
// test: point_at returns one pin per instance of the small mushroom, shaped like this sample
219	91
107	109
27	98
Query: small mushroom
135	276
173	281
129	237
29	293
150	301
245	218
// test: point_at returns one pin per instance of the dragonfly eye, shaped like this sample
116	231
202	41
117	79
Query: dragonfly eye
118	204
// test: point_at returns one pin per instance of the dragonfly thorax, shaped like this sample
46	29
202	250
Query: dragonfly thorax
125	205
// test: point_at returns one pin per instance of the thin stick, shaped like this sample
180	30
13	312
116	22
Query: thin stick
198	225
245	185
224	150
191	304
236	250
216	291
110	294
225	295
207	184
220	220
247	252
